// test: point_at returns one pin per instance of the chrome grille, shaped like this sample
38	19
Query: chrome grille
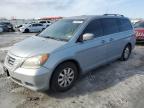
10	60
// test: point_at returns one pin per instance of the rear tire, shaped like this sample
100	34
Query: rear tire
26	31
126	53
11	30
64	77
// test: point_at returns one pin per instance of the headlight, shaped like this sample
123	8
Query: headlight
35	62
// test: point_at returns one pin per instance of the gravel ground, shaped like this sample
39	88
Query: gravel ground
116	85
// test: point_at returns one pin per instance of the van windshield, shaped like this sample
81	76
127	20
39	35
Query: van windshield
61	30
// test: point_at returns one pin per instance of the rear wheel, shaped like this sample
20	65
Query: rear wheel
126	53
26	31
64	77
11	30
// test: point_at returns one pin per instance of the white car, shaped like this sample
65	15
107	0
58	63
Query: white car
34	27
1	29
45	23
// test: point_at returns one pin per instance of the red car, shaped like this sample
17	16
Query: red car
139	29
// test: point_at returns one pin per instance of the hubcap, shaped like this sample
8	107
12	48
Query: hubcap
66	77
126	53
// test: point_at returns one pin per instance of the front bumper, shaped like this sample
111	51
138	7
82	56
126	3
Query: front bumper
34	79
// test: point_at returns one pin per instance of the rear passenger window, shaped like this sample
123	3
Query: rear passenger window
124	24
110	26
95	28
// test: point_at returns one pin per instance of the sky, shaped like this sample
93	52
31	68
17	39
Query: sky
42	8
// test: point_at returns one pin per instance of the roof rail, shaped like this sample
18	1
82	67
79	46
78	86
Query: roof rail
114	15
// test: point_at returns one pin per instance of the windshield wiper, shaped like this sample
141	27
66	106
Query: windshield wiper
59	39
50	37
63	39
46	36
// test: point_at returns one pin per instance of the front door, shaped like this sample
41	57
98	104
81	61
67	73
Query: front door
92	53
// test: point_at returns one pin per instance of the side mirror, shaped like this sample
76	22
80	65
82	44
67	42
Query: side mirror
87	36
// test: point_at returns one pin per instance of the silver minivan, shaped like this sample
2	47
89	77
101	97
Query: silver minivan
55	58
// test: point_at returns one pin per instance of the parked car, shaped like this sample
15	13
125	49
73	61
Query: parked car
46	23
68	48
139	29
1	29
34	27
7	27
18	26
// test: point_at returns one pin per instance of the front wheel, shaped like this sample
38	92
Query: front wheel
64	77
126	53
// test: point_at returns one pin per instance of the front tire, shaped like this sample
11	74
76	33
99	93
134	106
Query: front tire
64	77
126	53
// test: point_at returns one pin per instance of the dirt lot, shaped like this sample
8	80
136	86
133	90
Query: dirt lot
116	85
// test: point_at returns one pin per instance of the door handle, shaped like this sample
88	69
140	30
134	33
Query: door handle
111	39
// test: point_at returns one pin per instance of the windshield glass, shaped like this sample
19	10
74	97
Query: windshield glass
139	25
61	30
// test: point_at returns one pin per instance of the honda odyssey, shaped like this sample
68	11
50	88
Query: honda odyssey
55	58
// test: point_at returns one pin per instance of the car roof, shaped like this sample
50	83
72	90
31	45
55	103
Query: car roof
86	17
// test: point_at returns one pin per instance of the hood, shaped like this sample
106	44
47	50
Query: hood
34	46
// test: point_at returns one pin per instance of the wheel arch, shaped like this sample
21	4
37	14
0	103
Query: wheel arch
64	61
130	44
27	30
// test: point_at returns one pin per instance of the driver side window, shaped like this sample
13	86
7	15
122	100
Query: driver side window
95	28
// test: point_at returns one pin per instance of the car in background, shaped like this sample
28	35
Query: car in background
1	29
134	21
7	26
45	23
17	27
139	30
34	27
